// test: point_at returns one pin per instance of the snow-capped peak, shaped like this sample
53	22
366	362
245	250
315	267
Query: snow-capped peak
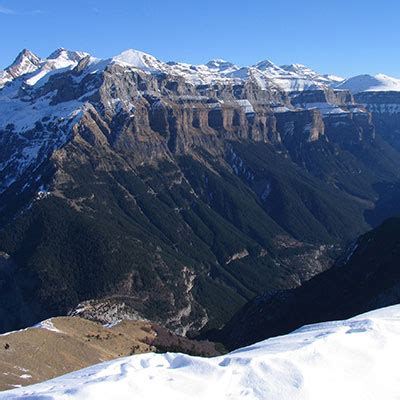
294	67
25	55
266	65
220	65
292	77
73	56
139	59
305	71
369	83
298	69
35	68
25	62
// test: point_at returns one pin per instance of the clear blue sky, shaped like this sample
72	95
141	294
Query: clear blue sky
346	37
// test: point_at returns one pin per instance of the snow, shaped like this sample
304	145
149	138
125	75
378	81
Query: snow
33	69
246	106
369	83
63	56
25	62
265	73
24	115
140	60
281	109
48	325
4	78
293	77
325	108
354	359
25	102
221	66
384	108
333	78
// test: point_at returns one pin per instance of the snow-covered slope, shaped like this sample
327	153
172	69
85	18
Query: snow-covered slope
369	83
140	60
214	70
355	359
265	73
30	116
295	77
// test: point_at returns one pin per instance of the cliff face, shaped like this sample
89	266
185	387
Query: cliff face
172	200
385	111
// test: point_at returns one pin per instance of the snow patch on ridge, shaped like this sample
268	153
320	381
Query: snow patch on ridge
48	325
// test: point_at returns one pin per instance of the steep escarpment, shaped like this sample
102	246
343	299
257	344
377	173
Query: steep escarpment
385	111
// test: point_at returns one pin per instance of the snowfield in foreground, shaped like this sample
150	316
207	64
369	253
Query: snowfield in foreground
353	359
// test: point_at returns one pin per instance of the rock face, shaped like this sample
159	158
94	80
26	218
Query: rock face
175	194
385	110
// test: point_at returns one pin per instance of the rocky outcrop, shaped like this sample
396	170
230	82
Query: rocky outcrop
350	128
296	127
330	96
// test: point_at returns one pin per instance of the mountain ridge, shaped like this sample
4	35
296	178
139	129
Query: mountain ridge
286	77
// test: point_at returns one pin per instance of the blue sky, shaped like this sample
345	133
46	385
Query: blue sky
337	36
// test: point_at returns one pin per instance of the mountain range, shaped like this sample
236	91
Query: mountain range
178	193
293	77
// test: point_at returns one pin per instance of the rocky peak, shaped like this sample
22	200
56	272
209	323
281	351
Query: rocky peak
25	62
64	54
295	68
26	54
266	64
220	65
